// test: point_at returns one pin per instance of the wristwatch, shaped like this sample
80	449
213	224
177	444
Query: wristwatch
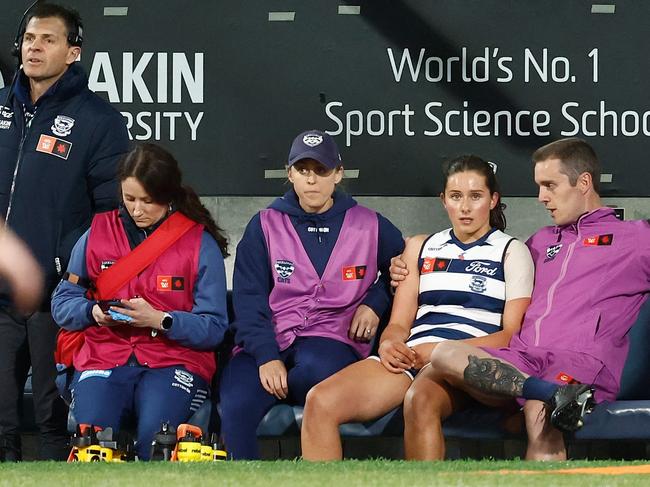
166	322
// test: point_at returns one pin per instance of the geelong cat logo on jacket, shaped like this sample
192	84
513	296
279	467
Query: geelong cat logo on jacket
284	268
62	125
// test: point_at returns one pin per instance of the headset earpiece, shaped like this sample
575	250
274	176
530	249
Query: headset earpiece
15	49
76	38
18	40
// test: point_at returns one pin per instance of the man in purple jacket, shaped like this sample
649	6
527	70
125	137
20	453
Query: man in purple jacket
592	274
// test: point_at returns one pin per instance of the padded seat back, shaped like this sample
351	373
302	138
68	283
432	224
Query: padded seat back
635	380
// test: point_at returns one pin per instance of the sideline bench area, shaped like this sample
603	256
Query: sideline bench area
619	429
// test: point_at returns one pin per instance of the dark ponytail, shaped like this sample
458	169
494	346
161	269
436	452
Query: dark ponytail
190	205
158	172
476	164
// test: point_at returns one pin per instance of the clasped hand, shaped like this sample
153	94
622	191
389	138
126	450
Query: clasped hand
396	356
142	314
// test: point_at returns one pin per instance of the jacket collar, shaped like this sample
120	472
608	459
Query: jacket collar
591	217
73	81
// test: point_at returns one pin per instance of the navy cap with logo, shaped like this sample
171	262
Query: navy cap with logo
317	145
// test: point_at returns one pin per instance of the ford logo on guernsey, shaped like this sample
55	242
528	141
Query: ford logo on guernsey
485	268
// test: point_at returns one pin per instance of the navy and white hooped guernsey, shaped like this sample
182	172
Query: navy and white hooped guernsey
462	287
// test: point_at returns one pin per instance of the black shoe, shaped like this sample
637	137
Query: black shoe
569	405
10	448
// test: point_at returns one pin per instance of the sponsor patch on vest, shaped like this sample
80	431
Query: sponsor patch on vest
284	268
62	125
170	283
478	284
353	272
106	264
552	251
52	145
5	124
597	240
566	378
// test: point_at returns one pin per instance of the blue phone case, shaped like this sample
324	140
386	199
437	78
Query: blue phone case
117	316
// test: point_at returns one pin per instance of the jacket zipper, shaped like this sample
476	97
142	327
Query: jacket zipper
26	128
551	290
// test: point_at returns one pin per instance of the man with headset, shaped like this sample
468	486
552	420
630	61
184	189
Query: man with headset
59	148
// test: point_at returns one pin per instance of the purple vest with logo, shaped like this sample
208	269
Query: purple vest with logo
304	304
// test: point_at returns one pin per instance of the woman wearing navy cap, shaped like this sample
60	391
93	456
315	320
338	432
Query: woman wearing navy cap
305	291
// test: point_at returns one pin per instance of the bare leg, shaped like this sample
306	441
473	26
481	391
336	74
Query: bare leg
544	441
491	380
360	392
428	402
471	369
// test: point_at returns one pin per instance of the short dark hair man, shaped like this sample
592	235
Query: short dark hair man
59	147
592	274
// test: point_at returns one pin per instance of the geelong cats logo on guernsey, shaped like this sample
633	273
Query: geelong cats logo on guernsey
478	284
284	268
552	251
62	125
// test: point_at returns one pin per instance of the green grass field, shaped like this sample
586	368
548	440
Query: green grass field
341	474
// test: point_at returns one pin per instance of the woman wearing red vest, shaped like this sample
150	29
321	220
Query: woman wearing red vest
305	291
151	353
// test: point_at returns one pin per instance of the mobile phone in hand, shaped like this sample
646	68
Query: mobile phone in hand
117	316
105	304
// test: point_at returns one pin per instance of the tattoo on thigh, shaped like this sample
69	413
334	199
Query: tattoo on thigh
493	377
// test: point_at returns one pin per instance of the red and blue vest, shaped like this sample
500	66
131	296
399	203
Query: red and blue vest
167	284
304	304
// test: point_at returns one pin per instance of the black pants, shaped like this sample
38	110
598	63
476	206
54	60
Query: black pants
26	340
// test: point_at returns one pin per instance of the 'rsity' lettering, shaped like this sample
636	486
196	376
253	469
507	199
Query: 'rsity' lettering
478	267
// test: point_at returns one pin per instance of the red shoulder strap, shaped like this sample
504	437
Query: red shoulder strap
126	268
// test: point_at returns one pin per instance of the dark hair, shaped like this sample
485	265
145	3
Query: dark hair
577	157
158	172
68	16
475	163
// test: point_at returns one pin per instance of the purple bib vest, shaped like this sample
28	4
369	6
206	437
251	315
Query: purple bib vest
304	304
167	284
